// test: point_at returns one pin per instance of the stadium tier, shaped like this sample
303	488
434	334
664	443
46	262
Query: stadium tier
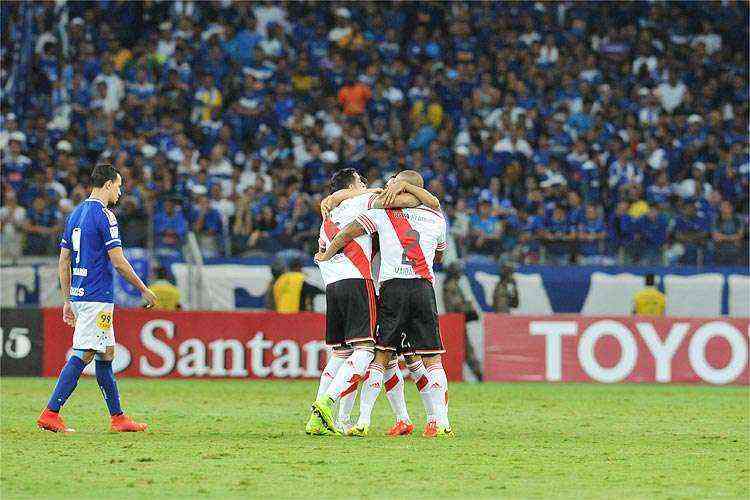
603	133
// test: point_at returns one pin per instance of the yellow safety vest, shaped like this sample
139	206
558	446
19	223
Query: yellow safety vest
287	292
650	302
167	295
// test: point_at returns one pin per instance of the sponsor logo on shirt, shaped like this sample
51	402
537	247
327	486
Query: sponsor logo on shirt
77	291
80	271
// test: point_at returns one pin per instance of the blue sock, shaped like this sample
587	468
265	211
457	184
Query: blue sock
66	383
105	377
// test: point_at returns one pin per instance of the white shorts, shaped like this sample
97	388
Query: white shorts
94	329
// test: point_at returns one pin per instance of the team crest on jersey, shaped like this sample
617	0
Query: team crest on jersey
104	320
114	232
111	217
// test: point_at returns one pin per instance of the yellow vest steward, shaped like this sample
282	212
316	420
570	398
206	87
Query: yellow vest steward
650	302
287	292
167	295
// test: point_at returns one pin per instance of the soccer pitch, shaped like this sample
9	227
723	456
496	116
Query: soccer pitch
240	438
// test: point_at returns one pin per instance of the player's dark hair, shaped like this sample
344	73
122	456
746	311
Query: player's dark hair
650	280
342	179
102	173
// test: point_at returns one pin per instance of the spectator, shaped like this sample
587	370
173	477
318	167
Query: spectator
591	235
15	164
485	231
353	97
207	226
42	227
651	237
691	230
672	92
133	222
208	99
264	229
622	232
170	226
12	224
558	235
223	95
728	233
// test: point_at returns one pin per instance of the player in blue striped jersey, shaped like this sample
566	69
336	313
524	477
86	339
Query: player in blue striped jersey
89	248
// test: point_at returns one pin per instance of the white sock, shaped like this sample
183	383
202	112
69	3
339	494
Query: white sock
350	373
419	375
369	393
346	403
438	383
335	360
394	389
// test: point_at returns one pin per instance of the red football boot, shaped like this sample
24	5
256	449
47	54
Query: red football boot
123	423
53	422
401	429
430	430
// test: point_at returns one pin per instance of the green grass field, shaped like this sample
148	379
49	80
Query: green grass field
245	439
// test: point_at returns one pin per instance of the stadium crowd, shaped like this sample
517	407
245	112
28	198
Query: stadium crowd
600	132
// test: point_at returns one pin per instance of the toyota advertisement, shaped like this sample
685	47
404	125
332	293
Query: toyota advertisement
616	349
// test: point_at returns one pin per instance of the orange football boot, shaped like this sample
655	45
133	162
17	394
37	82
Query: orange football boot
430	430
123	423
53	422
401	429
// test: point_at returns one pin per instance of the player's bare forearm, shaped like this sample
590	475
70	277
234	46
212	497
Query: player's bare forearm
350	232
121	264
438	257
403	200
63	266
399	195
424	196
335	199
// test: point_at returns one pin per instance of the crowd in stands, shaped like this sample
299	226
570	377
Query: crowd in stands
602	132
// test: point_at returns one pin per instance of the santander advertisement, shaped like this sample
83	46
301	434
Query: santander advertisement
222	344
616	349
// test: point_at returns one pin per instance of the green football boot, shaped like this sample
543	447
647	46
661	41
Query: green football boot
315	426
324	409
359	431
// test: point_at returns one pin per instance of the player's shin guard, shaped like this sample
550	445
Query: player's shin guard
105	377
66	383
350	373
438	385
394	390
419	375
369	393
335	360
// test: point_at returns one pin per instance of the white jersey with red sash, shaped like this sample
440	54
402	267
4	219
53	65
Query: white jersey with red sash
355	260
409	238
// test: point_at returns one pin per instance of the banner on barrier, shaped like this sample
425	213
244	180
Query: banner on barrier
223	344
21	341
615	349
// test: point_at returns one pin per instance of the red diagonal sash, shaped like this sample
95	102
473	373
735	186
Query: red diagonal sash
405	234
352	250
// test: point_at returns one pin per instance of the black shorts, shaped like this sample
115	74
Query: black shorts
407	317
351	312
